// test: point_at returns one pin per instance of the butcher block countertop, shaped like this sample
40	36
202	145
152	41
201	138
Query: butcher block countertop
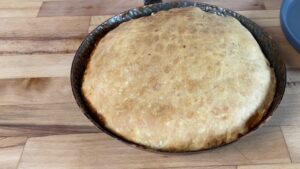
41	126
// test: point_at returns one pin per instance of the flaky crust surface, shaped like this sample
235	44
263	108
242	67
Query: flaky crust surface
179	80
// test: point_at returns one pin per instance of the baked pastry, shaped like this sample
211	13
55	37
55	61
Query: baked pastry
179	80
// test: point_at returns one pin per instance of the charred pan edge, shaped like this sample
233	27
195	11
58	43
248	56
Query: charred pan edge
268	46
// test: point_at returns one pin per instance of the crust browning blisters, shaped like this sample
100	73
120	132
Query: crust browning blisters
181	79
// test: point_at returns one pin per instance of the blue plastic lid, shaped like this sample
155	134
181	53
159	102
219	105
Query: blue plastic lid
290	21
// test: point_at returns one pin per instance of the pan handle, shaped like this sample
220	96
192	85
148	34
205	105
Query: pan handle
148	2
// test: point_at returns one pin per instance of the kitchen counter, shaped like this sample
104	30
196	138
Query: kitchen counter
41	127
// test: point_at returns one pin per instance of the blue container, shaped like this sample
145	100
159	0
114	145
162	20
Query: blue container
290	21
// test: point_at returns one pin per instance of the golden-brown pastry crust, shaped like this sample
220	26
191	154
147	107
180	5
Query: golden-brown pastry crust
179	80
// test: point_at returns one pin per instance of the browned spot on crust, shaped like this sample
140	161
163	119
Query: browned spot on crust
220	112
191	114
200	103
163	111
128	104
224	117
187	103
223	45
175	61
253	120
144	67
171	47
167	69
158	47
101	118
168	108
155	59
225	108
177	85
142	91
155	38
183	29
115	73
216	140
193	30
192	85
209	100
153	83
216	111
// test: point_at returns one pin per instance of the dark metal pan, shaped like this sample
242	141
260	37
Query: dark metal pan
268	46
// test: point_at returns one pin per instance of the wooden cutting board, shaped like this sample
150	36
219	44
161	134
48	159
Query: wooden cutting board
41	127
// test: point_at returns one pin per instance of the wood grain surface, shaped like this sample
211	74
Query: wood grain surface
36	45
48	27
41	126
100	149
13	8
87	7
35	65
11	149
35	91
271	166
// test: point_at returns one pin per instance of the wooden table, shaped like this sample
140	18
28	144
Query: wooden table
41	127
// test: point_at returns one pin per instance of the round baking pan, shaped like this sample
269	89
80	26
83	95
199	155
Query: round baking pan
289	13
82	56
